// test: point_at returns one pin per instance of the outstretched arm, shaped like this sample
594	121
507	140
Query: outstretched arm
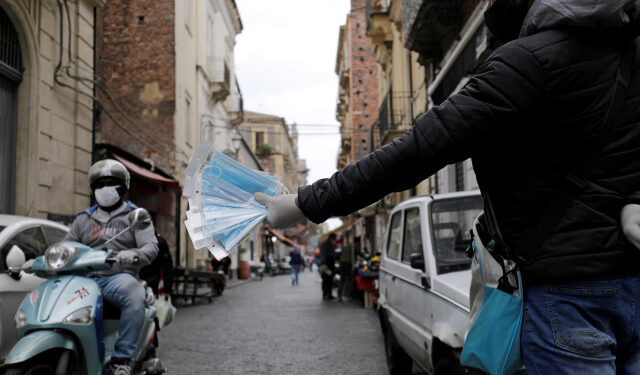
508	88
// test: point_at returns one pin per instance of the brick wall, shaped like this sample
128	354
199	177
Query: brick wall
364	81
136	64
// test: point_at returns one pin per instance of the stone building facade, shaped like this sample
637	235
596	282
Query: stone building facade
46	106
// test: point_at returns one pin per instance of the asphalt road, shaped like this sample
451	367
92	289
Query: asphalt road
271	327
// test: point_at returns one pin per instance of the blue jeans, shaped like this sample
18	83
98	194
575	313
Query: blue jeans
582	327
125	292
295	269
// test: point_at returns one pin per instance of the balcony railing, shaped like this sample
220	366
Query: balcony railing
396	113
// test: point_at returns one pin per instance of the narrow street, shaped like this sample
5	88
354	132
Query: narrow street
271	327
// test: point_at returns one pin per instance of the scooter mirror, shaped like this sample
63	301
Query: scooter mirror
139	218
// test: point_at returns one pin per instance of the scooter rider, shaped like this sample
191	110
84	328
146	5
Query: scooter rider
109	181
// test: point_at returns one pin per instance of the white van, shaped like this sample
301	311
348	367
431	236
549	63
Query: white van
424	282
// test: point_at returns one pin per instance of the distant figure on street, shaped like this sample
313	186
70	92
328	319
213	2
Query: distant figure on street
328	269
221	265
346	265
295	262
311	262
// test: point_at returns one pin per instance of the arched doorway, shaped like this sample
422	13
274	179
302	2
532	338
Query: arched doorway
10	77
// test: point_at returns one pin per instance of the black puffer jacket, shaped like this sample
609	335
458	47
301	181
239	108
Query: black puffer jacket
527	119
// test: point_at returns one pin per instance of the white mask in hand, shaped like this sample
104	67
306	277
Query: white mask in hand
107	196
630	218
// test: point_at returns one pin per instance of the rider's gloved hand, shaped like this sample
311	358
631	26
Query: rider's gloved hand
283	210
126	257
630	219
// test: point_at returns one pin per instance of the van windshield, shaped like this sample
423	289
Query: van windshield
452	220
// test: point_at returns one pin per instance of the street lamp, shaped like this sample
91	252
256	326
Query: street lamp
236	142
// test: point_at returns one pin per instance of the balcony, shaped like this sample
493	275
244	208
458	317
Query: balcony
378	21
236	109
430	26
219	78
395	116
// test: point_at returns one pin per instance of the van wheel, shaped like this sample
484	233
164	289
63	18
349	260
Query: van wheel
398	360
448	366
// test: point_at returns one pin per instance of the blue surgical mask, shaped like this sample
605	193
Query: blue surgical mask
223	200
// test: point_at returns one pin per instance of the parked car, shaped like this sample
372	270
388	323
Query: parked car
33	237
425	276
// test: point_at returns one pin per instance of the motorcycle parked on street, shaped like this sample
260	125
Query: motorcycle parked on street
64	325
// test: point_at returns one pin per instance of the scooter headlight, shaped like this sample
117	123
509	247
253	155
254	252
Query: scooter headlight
59	255
80	316
21	319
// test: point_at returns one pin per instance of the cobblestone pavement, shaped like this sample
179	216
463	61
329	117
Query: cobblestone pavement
271	327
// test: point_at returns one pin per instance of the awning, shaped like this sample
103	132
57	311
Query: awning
145	173
282	238
338	230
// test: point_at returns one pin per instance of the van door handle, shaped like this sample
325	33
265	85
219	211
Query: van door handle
393	278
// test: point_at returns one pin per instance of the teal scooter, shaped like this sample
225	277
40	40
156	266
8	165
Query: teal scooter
63	324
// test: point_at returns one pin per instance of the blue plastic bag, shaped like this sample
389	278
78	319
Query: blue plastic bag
492	343
222	210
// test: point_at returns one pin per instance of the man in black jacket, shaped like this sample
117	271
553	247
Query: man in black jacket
530	117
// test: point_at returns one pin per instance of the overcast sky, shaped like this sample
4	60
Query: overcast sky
285	63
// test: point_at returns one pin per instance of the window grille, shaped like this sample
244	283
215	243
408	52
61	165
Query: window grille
10	55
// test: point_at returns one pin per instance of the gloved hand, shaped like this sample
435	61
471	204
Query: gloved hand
149	297
630	218
283	210
126	257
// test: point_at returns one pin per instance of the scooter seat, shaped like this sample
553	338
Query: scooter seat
110	311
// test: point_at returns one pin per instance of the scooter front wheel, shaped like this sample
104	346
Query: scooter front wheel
30	369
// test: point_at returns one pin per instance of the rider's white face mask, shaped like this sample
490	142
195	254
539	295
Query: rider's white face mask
107	196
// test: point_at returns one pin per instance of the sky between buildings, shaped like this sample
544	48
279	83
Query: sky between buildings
285	65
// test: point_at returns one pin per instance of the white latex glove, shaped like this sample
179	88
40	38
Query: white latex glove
283	210
149	297
126	257
630	218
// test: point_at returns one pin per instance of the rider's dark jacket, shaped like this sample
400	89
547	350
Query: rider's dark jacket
94	226
530	115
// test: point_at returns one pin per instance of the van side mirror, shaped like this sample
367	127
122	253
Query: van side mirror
15	260
417	262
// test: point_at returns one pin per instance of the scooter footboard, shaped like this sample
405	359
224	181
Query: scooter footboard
36	343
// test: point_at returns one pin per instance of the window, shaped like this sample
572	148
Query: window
259	139
395	236
187	122
30	240
452	220
459	176
412	242
53	234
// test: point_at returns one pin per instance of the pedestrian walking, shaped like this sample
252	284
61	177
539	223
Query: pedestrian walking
328	266
295	262
551	125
